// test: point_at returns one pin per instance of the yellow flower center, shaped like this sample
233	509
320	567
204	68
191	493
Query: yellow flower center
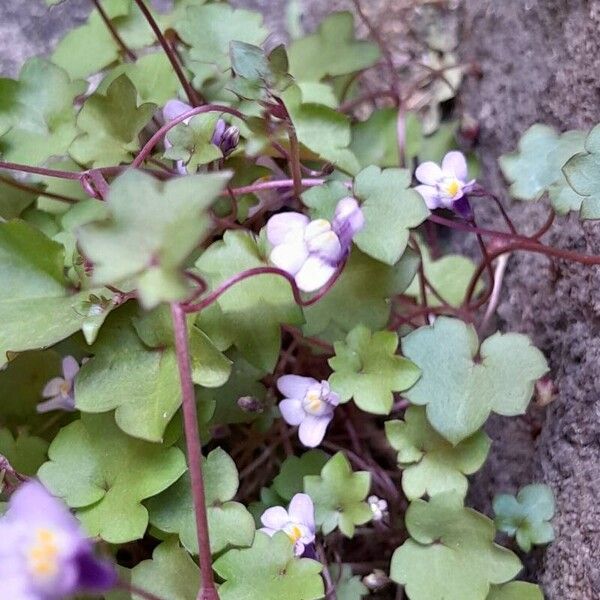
313	401
453	187
294	533
65	388
43	555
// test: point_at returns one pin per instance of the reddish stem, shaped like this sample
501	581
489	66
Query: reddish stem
160	134
271	185
133	590
194	452
187	86
113	31
34	190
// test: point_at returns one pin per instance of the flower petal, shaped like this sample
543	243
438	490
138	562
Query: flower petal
312	429
429	173
52	388
289	256
294	386
70	368
292	411
430	195
275	517
173	108
59	402
455	165
302	510
94	574
285	227
314	274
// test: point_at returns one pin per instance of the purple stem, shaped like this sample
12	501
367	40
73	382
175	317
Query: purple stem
133	590
113	31
194	451
160	134
271	185
187	86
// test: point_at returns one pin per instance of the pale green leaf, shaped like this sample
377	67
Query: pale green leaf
111	123
290	480
105	474
461	392
450	553
25	452
347	585
339	496
268	571
515	590
367	369
431	465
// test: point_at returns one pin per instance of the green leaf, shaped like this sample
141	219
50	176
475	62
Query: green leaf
38	307
25	452
251	312
527	516
111	124
104	474
290	480
459	391
431	464
339	496
347	586
536	166
139	377
229	523
428	146
322	130
268	571
450	275
370	284
515	590
375	141
21	384
151	74
391	208
192	144
367	368
582	176
89	48
12	200
333	50
38	112
244	381
170	575
146	242
210	28
450	553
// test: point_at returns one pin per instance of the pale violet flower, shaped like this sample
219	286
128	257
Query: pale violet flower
446	186
60	391
309	404
298	522
311	251
378	507
44	553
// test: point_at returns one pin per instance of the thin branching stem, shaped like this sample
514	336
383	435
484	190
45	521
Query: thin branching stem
129	53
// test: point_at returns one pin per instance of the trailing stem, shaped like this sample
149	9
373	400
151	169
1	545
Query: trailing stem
194	452
187	86
113	31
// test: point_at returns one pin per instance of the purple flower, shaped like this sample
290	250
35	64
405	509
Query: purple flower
311	251
171	110
298	522
446	187
44	554
309	404
61	390
226	137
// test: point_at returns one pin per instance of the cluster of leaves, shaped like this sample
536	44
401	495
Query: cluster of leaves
92	274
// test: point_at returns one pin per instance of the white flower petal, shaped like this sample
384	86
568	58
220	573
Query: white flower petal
70	368
312	429
294	386
314	274
430	195
302	510
455	165
275	517
285	227
292	411
429	173
289	256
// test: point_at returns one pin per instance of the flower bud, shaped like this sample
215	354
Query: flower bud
250	404
376	580
226	137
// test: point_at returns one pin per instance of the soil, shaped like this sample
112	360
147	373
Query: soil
540	62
